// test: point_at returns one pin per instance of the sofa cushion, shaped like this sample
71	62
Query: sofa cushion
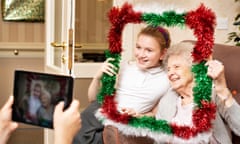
229	56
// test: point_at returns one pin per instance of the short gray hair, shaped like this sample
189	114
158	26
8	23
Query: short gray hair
183	49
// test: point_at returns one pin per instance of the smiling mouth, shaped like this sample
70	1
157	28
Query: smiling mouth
142	61
174	78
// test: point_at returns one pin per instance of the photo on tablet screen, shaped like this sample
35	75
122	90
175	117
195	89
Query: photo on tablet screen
36	94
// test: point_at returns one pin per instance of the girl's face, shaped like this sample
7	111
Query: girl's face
179	73
148	52
37	91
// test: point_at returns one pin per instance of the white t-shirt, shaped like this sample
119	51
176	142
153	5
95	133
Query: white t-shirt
184	117
140	90
184	113
34	105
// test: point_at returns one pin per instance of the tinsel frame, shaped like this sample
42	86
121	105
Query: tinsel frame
202	22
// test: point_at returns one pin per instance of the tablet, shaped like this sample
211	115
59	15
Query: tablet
36	95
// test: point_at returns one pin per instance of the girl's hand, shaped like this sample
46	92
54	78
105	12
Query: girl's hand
107	68
130	112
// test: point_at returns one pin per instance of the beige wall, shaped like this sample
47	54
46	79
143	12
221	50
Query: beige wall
80	91
222	8
21	31
91	22
24	134
34	32
7	67
12	33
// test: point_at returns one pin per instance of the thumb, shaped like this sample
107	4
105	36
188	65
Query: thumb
9	103
74	105
208	60
211	57
14	125
59	107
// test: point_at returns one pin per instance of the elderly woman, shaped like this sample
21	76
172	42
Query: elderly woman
178	108
45	112
178	63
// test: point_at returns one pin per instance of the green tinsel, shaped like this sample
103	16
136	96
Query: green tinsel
203	83
108	82
151	123
169	18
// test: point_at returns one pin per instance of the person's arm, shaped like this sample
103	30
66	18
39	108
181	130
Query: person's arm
133	113
216	72
94	88
95	84
66	123
227	106
7	126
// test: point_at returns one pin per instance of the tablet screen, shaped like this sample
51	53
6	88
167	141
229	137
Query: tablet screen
36	94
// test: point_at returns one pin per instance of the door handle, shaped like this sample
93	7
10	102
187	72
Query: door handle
78	45
58	44
62	45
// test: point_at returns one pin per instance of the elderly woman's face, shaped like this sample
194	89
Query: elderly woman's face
179	72
45	100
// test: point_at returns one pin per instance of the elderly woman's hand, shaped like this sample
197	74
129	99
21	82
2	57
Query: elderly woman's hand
216	72
215	69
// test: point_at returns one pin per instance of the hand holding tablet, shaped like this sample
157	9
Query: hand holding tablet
36	95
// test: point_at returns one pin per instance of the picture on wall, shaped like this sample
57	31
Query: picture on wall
23	10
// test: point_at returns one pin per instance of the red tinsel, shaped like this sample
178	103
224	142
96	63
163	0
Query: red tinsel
184	132
109	108
202	21
202	121
119	17
202	117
